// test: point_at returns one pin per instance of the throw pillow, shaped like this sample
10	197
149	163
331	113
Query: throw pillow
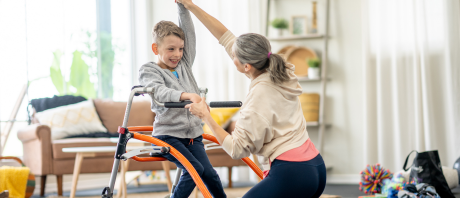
112	113
222	116
69	120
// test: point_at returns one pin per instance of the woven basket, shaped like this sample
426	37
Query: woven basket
30	180
298	56
310	106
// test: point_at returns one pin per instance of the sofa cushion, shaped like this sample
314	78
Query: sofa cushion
112	113
74	119
42	104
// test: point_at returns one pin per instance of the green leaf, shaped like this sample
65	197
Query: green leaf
79	77
55	72
313	62
280	23
106	66
86	90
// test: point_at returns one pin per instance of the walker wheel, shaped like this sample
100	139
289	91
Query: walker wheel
106	193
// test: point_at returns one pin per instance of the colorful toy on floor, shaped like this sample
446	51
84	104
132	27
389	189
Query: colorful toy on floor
391	187
372	177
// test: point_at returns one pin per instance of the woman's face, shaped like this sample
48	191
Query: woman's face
239	66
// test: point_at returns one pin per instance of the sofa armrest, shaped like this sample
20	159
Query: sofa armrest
37	148
33	132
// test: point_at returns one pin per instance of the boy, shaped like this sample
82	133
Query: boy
173	81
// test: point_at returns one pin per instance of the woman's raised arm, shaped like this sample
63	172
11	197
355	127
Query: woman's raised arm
214	26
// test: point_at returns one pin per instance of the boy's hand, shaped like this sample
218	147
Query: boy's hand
195	98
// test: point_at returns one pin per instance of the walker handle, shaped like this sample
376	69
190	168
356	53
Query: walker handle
225	104
212	104
177	104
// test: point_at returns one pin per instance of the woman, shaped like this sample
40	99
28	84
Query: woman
271	123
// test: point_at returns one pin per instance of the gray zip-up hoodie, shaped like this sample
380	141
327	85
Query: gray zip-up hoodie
175	122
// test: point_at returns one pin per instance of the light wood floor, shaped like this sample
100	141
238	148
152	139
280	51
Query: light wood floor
231	193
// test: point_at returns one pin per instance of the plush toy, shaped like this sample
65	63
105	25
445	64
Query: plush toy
372	177
391	187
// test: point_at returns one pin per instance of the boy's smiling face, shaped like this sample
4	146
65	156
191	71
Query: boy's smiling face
170	52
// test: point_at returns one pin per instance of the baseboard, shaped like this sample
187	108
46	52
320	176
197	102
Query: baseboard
343	179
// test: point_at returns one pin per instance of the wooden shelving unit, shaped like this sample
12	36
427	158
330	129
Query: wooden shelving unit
306	79
296	37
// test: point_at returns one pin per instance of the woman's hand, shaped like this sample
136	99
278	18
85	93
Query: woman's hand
186	3
214	26
200	109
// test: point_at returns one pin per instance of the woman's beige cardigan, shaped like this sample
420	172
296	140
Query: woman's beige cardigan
271	120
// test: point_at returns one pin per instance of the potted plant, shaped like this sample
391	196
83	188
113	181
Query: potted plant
313	67
280	24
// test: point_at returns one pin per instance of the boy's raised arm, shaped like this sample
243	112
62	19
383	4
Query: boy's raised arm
186	24
214	26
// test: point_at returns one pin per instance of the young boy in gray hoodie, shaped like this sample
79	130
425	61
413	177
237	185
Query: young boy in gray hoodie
173	81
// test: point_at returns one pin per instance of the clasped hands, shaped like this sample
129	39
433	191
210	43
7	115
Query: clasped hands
199	107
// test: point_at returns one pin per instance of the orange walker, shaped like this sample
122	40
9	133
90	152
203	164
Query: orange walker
126	133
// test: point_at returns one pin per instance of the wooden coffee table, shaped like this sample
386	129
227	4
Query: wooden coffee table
83	152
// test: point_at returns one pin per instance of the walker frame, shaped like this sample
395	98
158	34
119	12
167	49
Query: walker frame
126	133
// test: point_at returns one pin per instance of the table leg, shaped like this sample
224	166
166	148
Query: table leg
230	184
122	177
195	192
167	169
76	171
256	161
122	190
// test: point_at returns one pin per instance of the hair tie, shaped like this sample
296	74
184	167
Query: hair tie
269	53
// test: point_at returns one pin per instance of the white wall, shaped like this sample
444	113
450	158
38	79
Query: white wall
342	142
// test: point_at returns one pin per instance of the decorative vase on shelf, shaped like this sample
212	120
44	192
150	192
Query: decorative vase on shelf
314	26
279	24
313	72
313	68
279	32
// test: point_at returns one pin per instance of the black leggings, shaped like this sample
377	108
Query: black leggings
292	179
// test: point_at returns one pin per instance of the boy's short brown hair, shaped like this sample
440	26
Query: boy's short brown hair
165	28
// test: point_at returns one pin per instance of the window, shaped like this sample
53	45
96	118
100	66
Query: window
58	47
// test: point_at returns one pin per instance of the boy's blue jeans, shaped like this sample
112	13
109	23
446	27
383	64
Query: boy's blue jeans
195	153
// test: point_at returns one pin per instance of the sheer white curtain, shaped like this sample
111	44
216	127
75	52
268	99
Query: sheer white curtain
412	71
213	68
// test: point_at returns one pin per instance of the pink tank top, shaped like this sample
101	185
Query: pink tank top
302	153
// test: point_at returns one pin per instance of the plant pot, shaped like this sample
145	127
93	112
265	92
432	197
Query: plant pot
313	72
279	32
